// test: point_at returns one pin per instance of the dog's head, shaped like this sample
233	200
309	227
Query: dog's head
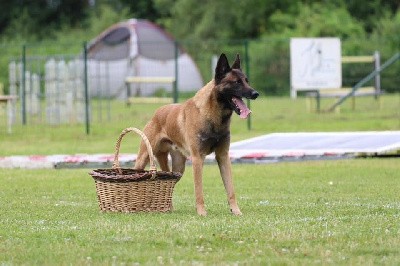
232	85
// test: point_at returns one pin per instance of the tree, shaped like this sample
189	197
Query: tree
371	11
314	20
43	16
223	19
144	9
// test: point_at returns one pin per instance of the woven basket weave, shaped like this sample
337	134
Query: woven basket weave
129	190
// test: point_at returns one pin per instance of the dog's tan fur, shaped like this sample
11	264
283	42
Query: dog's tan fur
196	128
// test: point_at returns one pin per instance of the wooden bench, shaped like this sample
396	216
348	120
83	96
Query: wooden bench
148	80
339	93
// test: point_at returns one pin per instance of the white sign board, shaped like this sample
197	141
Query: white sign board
315	63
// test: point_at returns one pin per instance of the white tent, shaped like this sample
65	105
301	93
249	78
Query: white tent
138	48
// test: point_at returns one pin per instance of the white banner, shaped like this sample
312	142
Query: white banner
315	63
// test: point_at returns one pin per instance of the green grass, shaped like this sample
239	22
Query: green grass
269	115
327	212
320	212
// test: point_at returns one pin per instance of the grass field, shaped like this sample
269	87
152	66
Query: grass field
269	115
342	212
328	212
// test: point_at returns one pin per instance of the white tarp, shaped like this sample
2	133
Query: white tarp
273	147
317	144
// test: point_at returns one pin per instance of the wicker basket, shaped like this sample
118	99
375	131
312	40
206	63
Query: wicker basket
129	190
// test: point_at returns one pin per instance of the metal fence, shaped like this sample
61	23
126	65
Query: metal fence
52	86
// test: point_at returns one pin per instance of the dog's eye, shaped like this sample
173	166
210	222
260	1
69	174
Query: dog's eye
239	81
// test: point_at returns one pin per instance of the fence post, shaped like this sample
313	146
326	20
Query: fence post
247	70
175	92
377	62
85	77
23	85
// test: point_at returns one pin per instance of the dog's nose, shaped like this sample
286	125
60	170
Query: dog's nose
254	95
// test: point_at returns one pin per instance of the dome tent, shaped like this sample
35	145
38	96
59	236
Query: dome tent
137	48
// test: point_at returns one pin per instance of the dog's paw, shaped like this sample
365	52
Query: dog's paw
236	212
201	211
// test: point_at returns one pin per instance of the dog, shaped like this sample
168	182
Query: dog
200	126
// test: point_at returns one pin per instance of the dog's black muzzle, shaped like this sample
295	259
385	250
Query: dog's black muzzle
251	94
254	95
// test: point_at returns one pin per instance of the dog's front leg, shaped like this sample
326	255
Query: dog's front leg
197	162
225	167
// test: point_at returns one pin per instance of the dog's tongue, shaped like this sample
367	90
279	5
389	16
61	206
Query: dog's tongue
244	111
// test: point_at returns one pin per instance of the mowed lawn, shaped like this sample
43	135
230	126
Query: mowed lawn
270	114
343	212
322	212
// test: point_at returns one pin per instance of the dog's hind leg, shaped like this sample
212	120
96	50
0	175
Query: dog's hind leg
142	158
225	169
143	155
178	161
162	158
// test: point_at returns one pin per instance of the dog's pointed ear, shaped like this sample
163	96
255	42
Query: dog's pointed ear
236	64
222	68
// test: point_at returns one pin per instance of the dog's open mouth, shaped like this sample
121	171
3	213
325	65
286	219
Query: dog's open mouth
240	107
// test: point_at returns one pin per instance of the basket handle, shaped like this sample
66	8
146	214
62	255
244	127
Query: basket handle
116	165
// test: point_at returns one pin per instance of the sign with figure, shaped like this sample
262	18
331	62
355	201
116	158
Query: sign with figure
315	63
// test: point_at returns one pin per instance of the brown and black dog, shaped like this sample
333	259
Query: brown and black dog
200	126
